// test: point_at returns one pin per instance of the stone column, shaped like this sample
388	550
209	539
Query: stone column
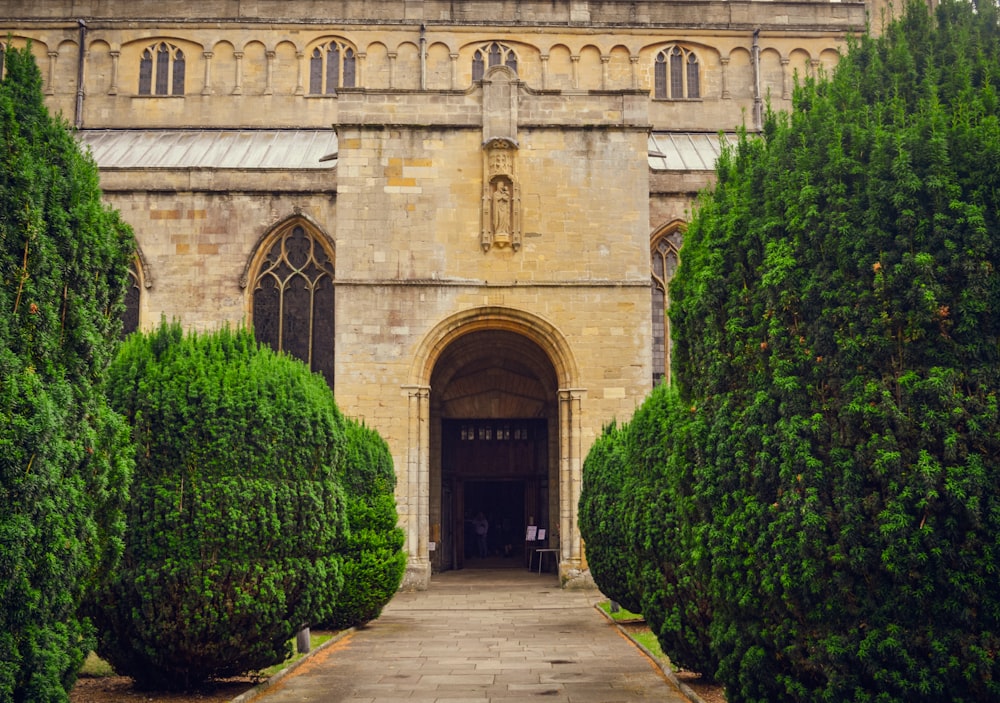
359	66
50	81
269	80
299	89
725	81
454	70
545	70
605	59
570	548
238	88
784	79
207	88
575	59
392	68
113	90
634	61
417	505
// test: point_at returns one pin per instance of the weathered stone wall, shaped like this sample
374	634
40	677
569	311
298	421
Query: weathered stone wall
411	209
247	63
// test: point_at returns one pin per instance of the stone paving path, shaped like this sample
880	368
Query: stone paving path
505	635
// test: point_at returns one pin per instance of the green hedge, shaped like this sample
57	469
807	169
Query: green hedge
65	458
606	518
671	557
236	520
837	333
374	560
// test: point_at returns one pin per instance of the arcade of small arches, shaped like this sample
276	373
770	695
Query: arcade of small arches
674	69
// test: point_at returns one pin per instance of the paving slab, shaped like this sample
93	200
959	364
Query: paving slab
479	636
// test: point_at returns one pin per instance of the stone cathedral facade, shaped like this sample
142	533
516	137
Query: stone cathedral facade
464	214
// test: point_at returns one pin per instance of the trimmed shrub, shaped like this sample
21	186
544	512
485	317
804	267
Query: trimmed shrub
837	334
374	560
669	562
65	458
606	518
236	520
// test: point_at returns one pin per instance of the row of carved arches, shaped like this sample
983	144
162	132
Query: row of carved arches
290	278
672	69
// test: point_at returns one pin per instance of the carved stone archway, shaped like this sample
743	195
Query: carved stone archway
554	361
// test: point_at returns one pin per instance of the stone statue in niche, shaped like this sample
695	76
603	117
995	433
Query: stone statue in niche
501	213
501	197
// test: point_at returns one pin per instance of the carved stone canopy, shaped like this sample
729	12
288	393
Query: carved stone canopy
501	217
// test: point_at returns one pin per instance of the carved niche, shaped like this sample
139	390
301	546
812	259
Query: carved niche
501	226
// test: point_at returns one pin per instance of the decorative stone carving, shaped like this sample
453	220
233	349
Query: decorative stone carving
501	226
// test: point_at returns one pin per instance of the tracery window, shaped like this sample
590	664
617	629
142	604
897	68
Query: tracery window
676	75
130	320
665	259
161	70
333	65
492	54
293	297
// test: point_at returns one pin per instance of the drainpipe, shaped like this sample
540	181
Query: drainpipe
423	57
758	116
78	115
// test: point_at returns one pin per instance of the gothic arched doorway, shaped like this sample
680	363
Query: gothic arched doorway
494	415
491	367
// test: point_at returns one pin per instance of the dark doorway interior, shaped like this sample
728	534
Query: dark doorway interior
502	502
499	468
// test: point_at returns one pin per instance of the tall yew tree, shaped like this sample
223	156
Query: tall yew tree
838	341
64	465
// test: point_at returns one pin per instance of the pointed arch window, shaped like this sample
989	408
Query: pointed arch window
293	299
665	259
332	65
161	70
133	294
676	74
492	54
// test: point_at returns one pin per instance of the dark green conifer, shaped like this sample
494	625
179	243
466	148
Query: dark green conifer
837	337
236	520
65	460
374	559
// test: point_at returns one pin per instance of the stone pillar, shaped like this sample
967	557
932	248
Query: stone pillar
634	61
725	82
392	68
207	88
299	88
785	95
545	70
575	59
50	81
113	90
571	570
359	72
238	88
269	84
605	59
417	505
454	70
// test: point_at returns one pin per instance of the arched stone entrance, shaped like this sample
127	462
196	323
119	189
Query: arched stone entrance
478	373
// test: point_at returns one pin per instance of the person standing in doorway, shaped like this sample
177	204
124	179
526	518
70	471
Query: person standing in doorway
482	526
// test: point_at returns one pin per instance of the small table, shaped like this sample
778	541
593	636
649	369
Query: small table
541	552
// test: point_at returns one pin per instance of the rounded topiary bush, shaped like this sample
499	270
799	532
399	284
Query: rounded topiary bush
236	519
606	518
374	560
